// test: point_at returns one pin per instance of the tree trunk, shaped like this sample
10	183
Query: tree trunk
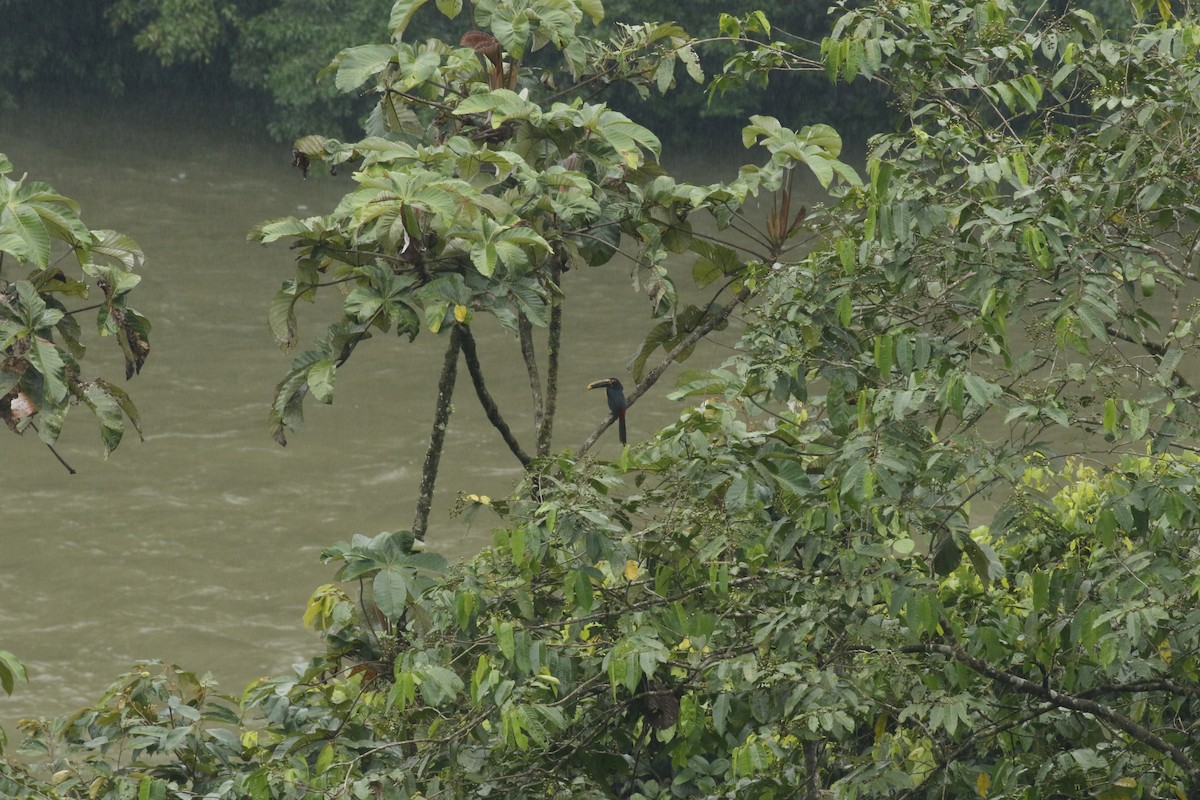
437	439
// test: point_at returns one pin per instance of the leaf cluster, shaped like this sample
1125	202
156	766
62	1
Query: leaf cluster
41	340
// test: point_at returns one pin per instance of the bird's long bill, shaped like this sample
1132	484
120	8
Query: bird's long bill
600	384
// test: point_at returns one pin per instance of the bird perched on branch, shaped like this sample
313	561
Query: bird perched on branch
616	401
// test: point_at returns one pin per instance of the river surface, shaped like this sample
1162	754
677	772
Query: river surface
200	545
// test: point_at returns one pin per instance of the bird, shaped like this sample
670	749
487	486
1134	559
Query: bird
616	401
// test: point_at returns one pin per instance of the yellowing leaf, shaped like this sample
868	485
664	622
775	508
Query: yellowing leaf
881	722
318	614
325	758
460	313
631	570
1122	789
983	783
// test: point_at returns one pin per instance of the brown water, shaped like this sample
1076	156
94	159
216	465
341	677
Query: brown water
200	546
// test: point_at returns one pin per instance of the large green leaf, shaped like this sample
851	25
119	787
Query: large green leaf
511	26
124	402
118	246
624	135
402	14
320	379
356	64
281	315
416	68
47	360
503	104
391	590
108	414
451	8
594	9
12	671
23	234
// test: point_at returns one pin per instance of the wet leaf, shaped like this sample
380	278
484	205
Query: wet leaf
356	64
320	380
391	591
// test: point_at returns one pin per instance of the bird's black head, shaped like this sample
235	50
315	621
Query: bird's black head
604	383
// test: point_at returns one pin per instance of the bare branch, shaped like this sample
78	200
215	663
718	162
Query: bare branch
485	398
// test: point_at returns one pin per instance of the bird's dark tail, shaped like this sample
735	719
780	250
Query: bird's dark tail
621	427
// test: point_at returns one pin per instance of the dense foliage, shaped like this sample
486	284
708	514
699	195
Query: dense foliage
863	564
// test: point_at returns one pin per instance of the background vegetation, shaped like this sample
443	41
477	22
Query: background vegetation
258	59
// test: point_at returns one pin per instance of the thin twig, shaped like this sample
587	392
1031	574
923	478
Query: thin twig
61	460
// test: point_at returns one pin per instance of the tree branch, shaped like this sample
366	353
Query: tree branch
485	398
1064	700
529	356
545	428
701	330
437	439
812	771
1154	349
